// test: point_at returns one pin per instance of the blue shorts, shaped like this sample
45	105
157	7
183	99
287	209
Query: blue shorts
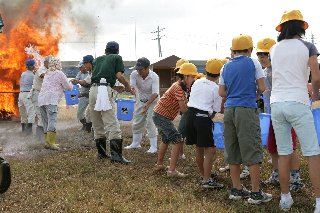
166	129
285	115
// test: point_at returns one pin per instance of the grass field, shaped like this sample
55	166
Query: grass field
74	180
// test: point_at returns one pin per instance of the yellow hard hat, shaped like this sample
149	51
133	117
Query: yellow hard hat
188	69
224	60
200	75
242	42
291	15
264	45
214	66
180	62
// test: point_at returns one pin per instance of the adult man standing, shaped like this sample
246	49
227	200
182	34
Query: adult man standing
145	84
108	67
83	95
34	93
24	103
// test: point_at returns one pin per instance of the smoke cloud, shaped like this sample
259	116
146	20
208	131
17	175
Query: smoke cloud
58	13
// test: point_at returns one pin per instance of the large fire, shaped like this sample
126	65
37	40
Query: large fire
39	27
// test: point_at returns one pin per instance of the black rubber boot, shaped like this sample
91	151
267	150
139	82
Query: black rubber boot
23	127
29	129
101	145
83	121
88	127
39	133
116	152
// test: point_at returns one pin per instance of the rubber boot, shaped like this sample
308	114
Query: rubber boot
23	127
28	129
83	121
47	145
39	133
52	137
116	152
153	145
88	127
136	139
101	145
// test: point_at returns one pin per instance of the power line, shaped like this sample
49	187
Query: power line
159	38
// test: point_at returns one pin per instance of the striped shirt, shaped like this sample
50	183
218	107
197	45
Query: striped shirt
168	105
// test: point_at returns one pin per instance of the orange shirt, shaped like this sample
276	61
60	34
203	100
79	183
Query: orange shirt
168	105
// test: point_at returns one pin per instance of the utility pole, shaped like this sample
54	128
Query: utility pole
158	38
313	38
94	41
135	38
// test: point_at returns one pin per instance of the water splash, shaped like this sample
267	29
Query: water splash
32	50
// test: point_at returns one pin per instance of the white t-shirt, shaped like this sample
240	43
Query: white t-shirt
204	96
289	60
145	87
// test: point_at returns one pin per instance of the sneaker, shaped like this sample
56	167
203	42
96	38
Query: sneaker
245	173
237	194
273	179
175	173
259	197
224	169
296	186
211	184
286	205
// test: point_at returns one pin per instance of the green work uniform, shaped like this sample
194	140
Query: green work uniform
107	66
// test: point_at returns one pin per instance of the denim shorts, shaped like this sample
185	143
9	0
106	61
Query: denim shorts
289	114
166	129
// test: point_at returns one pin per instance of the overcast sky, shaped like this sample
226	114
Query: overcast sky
195	30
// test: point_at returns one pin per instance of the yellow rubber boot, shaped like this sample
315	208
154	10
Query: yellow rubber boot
47	145
52	140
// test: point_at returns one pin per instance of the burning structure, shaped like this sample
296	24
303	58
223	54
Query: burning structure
36	24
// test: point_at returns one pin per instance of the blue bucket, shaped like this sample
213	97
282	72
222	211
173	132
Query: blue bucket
72	95
264	126
125	109
316	118
218	134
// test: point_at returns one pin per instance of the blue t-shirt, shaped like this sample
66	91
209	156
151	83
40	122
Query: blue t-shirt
239	77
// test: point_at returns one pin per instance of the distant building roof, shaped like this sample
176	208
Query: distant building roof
169	62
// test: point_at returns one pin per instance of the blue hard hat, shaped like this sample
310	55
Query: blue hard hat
30	62
87	58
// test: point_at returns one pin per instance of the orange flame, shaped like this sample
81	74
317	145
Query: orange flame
40	28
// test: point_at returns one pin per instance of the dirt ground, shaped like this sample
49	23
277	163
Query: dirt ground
74	180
